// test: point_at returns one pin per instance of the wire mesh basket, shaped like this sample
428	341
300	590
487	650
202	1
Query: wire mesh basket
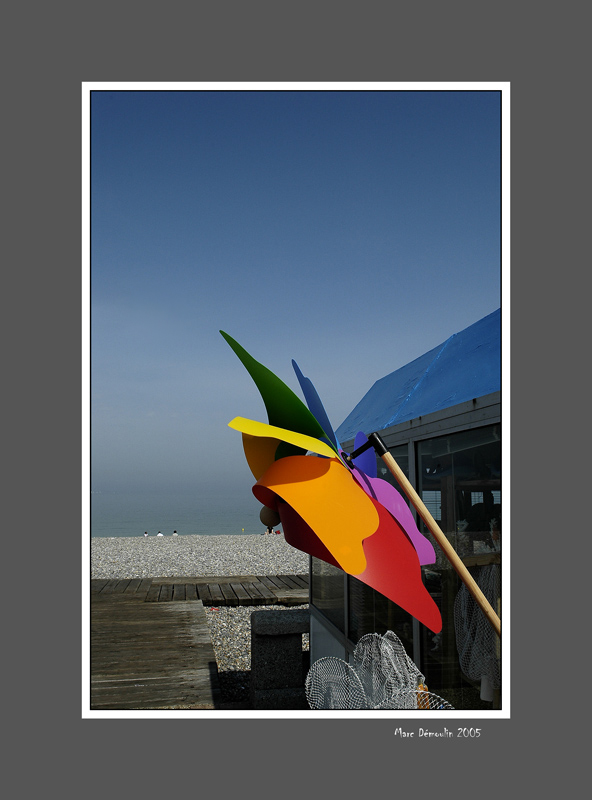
333	684
381	676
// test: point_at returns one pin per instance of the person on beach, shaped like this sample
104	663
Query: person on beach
159	534
145	533
269	529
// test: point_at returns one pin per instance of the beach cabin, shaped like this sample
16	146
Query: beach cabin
440	417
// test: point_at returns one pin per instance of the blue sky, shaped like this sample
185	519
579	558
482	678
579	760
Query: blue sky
351	231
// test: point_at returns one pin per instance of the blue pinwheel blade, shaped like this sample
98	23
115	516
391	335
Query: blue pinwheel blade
315	406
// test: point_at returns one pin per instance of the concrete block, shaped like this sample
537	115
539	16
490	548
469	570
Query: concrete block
276	661
277	677
280	621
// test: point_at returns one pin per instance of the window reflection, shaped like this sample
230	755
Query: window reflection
328	591
459	480
460	483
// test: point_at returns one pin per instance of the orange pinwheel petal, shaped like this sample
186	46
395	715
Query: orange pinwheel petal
333	505
260	453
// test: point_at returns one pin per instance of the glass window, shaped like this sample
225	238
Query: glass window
328	591
372	612
459	479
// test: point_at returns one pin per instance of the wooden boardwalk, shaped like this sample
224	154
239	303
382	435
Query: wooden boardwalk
242	590
150	641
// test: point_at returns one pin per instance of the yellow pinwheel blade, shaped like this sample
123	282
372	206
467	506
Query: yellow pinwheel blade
307	443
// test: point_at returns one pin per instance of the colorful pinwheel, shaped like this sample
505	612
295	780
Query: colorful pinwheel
333	508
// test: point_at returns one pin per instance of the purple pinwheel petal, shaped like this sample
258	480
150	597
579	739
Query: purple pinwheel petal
366	462
389	497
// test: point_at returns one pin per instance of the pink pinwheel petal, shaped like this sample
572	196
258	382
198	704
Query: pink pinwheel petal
389	497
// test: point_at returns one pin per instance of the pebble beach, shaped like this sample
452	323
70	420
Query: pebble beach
171	556
189	556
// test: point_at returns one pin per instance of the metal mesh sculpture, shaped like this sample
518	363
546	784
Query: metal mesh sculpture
384	668
381	676
404	666
333	683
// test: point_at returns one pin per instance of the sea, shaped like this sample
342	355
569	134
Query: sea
114	514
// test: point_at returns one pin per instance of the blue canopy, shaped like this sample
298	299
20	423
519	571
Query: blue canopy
465	366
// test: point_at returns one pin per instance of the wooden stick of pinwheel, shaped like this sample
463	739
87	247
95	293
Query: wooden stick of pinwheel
376	442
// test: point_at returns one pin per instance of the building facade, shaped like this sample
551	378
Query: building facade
440	416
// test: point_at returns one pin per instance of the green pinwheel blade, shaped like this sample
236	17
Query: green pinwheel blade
284	408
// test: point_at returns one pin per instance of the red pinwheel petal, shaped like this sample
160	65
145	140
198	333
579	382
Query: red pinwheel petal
393	569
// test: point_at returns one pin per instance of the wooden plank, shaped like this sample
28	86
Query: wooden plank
135	641
300	581
243	597
292	597
205	596
109	587
278	583
199	579
238	590
153	593
166	694
119	659
166	593
227	579
191	591
114	586
266	581
289	580
178	591
216	594
260	593
229	595
151	655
